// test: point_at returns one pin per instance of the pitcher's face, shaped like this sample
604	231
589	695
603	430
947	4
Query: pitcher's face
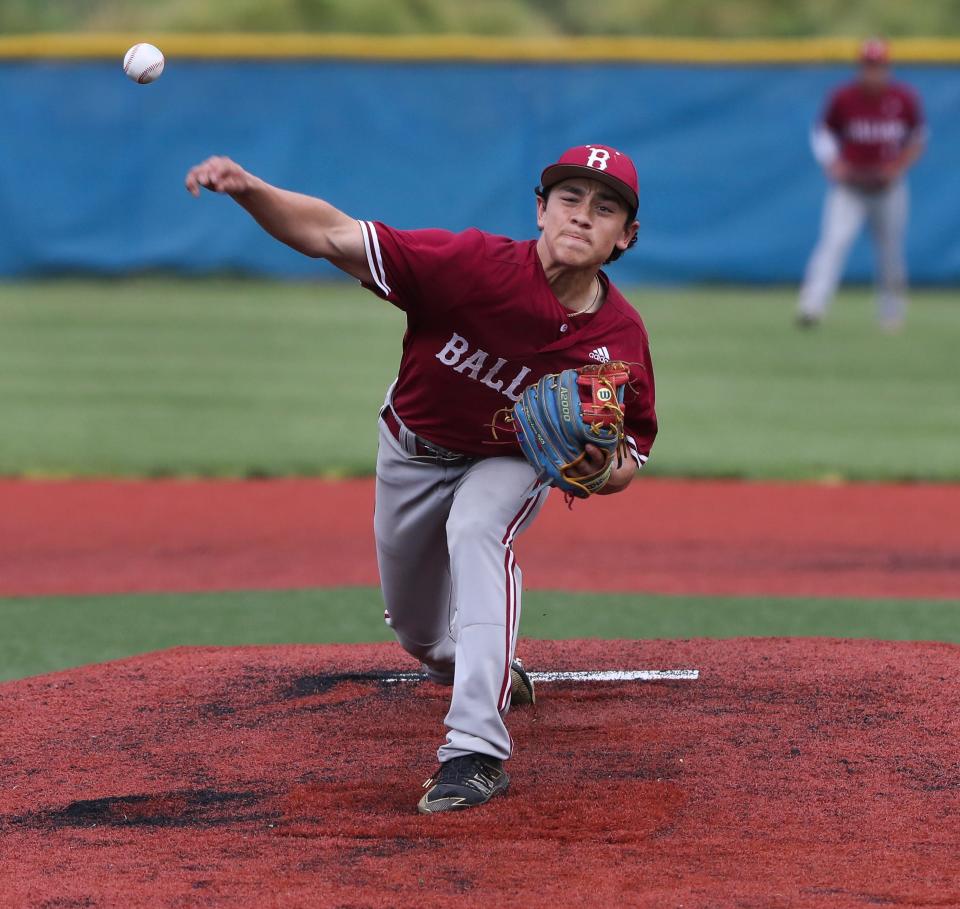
583	220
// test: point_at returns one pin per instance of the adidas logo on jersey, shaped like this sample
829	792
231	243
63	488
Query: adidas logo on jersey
601	355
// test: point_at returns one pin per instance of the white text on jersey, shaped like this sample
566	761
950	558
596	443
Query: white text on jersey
453	353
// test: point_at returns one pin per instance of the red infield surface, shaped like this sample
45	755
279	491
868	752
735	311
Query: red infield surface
800	773
663	536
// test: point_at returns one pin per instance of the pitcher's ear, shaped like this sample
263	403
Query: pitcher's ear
541	205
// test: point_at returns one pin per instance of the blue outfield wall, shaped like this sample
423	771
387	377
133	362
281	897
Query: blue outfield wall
92	166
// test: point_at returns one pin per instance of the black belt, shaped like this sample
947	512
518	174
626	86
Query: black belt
423	449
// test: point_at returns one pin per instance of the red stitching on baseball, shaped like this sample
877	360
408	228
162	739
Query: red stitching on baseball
130	55
149	70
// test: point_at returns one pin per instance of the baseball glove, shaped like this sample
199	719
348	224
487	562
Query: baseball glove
556	418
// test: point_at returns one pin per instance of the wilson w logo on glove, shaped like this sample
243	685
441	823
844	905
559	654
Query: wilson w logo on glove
556	418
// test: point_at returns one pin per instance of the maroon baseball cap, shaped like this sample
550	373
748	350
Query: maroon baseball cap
598	162
875	50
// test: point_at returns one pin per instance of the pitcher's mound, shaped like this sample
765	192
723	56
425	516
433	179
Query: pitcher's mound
799	772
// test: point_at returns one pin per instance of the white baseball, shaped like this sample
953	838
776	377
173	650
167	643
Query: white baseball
143	63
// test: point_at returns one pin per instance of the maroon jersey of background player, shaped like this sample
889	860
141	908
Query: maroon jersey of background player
483	324
873	126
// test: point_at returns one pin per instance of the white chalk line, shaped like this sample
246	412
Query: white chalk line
602	675
619	675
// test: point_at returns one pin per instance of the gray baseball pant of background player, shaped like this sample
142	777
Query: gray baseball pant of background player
450	582
844	213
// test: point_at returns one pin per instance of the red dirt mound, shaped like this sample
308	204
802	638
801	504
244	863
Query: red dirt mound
660	536
793	773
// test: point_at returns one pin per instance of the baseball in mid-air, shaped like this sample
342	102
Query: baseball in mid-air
143	63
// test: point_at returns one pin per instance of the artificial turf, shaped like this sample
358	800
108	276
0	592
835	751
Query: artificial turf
238	377
44	634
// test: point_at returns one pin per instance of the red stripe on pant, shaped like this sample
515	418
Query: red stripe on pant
509	563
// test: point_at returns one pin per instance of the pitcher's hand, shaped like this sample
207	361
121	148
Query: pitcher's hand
595	461
219	175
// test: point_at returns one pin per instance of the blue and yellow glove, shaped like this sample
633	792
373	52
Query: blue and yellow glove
556	418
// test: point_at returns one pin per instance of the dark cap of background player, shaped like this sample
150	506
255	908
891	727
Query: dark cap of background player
597	162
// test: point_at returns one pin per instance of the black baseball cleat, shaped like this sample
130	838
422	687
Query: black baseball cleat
464	782
521	686
806	320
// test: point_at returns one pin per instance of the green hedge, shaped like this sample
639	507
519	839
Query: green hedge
703	18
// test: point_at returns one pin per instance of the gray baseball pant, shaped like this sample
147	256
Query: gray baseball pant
451	584
844	213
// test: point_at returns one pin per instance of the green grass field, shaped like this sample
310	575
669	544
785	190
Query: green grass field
159	377
93	629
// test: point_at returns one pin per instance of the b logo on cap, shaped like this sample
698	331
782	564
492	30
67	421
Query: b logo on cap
598	158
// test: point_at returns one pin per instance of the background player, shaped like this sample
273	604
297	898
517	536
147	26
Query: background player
871	133
486	316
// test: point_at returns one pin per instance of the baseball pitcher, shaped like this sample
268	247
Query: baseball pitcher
871	133
531	337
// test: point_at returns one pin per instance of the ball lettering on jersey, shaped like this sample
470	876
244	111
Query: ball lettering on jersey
452	355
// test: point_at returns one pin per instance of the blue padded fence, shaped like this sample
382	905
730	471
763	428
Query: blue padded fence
92	166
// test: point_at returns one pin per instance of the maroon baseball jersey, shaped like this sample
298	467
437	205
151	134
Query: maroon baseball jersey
872	127
483	324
